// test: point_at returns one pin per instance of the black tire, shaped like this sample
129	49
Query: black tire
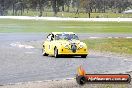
43	52
83	56
81	80
129	80
56	53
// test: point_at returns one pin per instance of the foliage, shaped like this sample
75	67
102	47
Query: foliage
88	6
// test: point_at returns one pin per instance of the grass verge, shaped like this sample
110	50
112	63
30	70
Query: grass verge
8	25
120	45
73	14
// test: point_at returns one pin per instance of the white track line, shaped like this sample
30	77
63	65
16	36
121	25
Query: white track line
38	81
19	45
94	37
109	37
128	37
68	19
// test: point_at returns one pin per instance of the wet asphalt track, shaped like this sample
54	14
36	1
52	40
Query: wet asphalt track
28	64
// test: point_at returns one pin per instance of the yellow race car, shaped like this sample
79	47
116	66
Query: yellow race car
64	43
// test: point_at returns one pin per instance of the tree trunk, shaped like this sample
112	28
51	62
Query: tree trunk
95	10
77	12
21	9
13	9
54	6
40	8
63	8
89	15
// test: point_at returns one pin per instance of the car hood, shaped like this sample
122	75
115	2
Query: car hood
68	41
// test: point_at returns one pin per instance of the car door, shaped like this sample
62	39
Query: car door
47	44
51	45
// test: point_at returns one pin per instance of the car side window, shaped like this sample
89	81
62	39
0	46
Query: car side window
49	37
57	37
52	37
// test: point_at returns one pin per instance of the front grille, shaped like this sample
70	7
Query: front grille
73	48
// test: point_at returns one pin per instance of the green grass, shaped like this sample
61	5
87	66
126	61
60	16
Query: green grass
120	45
84	15
72	14
49	26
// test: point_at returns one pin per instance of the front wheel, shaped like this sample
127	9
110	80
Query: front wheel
56	53
43	52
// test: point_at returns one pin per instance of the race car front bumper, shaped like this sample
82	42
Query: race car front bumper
79	52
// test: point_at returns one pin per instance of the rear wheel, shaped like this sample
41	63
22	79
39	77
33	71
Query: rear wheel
83	56
43	52
56	53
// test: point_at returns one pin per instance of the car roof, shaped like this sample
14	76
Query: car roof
62	33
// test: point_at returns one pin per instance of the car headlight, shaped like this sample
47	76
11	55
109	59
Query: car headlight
67	46
81	46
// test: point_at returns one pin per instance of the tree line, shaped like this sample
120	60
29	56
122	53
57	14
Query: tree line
86	6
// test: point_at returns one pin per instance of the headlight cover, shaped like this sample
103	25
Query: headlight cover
81	46
66	46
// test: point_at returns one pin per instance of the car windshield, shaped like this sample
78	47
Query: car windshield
66	37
